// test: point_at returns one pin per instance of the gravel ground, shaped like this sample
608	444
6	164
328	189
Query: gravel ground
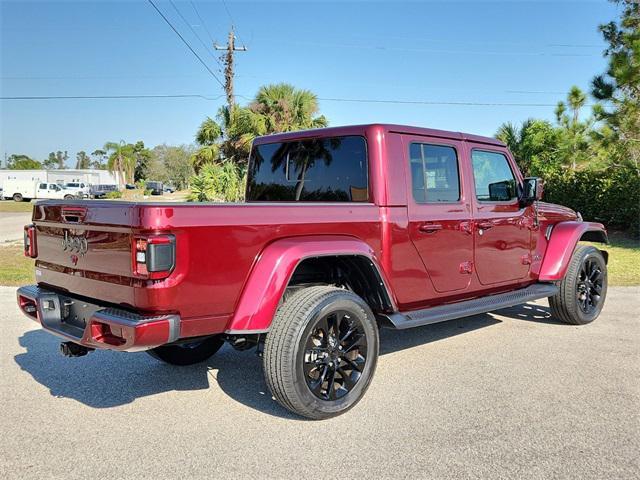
508	395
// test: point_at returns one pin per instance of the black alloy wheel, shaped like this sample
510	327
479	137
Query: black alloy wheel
335	355
582	291
589	286
321	351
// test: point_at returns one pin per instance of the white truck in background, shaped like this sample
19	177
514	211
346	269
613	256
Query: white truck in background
79	189
21	190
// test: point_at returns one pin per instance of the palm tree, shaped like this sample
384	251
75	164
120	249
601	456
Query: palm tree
121	160
517	139
208	137
276	108
286	108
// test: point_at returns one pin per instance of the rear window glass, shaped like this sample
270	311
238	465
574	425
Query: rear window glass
315	170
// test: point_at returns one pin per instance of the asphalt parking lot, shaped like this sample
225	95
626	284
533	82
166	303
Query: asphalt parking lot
508	395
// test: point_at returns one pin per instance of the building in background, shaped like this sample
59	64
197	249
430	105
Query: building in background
91	177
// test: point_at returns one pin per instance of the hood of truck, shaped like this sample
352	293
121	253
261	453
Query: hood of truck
553	213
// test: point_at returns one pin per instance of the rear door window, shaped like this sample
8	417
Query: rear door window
330	169
434	173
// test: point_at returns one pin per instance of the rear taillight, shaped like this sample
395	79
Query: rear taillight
30	241
154	256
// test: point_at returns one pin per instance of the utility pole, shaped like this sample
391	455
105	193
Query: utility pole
230	48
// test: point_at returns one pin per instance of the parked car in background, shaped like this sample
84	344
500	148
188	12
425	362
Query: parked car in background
156	188
169	189
21	190
79	189
99	191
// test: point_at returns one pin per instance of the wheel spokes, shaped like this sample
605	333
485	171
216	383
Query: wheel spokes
589	286
334	355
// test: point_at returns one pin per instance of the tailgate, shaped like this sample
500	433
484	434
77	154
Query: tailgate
85	239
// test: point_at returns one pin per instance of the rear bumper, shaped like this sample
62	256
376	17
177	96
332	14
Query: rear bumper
93	325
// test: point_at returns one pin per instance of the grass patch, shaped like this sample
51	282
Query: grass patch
15	268
11	206
624	259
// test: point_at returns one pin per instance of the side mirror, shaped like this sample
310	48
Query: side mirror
532	188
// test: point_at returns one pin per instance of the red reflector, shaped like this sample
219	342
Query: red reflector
30	241
28	306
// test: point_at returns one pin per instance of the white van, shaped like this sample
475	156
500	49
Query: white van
21	190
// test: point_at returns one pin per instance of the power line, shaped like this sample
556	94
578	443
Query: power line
325	99
194	32
202	22
439	51
427	102
95	77
185	42
101	97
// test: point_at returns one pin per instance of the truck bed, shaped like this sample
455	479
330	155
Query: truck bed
216	247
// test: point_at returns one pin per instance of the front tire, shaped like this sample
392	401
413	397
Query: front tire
17	197
184	354
583	289
69	197
321	352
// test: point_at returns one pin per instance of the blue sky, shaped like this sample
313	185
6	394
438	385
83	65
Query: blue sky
478	52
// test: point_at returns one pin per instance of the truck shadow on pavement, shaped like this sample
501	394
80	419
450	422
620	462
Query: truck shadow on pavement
107	379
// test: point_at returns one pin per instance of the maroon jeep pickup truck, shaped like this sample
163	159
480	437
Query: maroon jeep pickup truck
344	230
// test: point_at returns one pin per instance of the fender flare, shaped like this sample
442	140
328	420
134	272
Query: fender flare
564	238
272	272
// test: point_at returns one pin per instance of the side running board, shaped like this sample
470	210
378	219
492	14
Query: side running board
442	313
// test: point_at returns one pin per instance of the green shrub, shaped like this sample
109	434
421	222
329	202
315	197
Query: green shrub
114	194
218	182
610	196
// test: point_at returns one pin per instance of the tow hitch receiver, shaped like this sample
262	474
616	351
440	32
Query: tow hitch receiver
71	349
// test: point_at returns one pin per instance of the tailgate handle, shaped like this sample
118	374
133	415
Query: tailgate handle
73	215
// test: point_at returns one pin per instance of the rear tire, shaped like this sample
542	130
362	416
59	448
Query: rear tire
187	353
321	352
583	289
17	197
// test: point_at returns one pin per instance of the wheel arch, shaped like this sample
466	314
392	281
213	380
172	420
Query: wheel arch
563	241
290	261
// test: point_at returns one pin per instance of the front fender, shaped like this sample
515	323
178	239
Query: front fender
564	238
273	269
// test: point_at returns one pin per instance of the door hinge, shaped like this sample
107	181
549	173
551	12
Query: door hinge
526	259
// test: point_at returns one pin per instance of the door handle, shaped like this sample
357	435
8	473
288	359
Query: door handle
484	225
430	227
